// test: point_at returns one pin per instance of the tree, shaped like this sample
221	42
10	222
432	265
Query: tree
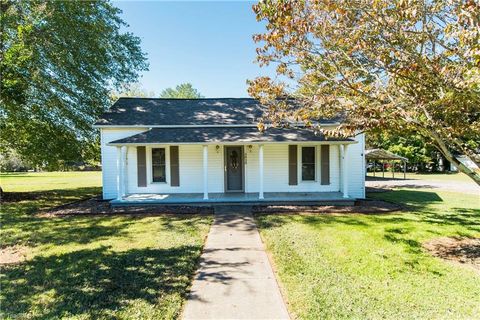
59	60
183	91
410	145
131	90
10	161
398	64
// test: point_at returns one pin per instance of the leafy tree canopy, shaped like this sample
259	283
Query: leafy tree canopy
184	90
131	90
409	145
59	60
397	64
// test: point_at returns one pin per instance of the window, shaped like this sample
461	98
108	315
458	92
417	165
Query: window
158	165
308	163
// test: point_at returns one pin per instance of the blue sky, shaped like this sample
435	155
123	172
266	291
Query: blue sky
208	44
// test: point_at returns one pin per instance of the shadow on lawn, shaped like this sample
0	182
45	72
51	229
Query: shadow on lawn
420	203
21	225
95	283
34	231
51	195
268	221
37	231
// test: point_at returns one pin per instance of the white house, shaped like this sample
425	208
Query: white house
210	150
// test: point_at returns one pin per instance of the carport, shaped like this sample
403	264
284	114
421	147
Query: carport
382	156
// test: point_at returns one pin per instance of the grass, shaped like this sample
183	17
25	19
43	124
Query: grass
123	267
139	267
373	266
41	181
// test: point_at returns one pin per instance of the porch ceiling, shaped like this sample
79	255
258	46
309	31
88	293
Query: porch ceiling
225	134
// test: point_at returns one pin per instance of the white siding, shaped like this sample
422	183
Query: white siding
215	169
276	170
356	167
251	169
191	166
109	158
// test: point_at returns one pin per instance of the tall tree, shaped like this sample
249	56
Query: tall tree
59	60
395	64
184	90
419	152
131	90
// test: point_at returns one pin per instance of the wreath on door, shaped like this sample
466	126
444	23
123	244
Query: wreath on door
234	159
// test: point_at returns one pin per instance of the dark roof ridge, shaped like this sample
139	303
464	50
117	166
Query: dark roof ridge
156	98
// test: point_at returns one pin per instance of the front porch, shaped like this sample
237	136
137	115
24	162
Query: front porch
317	198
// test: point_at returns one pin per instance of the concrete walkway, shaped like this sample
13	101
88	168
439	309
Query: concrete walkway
235	279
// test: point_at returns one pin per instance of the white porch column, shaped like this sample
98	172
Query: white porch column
260	171
124	170
343	153
119	172
205	172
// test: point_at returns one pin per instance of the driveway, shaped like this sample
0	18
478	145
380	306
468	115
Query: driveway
235	279
444	185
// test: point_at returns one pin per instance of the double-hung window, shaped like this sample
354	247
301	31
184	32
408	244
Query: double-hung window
158	165
308	163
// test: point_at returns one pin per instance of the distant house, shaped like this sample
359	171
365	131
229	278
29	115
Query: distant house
466	161
210	150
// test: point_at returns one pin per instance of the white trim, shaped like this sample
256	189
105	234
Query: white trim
253	125
315	163
124	170
102	157
234	143
149	164
364	173
205	172
260	171
344	168
119	170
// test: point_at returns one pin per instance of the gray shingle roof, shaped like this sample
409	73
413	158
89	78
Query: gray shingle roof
182	112
143	111
380	154
225	134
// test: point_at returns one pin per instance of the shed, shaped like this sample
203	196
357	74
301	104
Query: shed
374	155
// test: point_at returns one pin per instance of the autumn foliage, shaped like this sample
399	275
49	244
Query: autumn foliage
390	65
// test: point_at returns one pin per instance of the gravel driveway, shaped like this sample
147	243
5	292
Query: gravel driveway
455	186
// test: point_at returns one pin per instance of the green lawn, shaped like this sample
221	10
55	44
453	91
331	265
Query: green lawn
40	181
139	267
123	267
373	266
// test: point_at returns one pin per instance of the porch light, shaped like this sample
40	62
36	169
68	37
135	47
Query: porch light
250	148
217	148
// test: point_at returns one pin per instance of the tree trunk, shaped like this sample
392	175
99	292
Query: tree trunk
475	176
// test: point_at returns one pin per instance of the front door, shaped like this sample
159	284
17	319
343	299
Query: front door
234	169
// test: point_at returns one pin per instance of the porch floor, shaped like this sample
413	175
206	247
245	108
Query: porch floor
324	198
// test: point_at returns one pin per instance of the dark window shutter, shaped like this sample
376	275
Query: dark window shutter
141	167
325	164
292	165
174	167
